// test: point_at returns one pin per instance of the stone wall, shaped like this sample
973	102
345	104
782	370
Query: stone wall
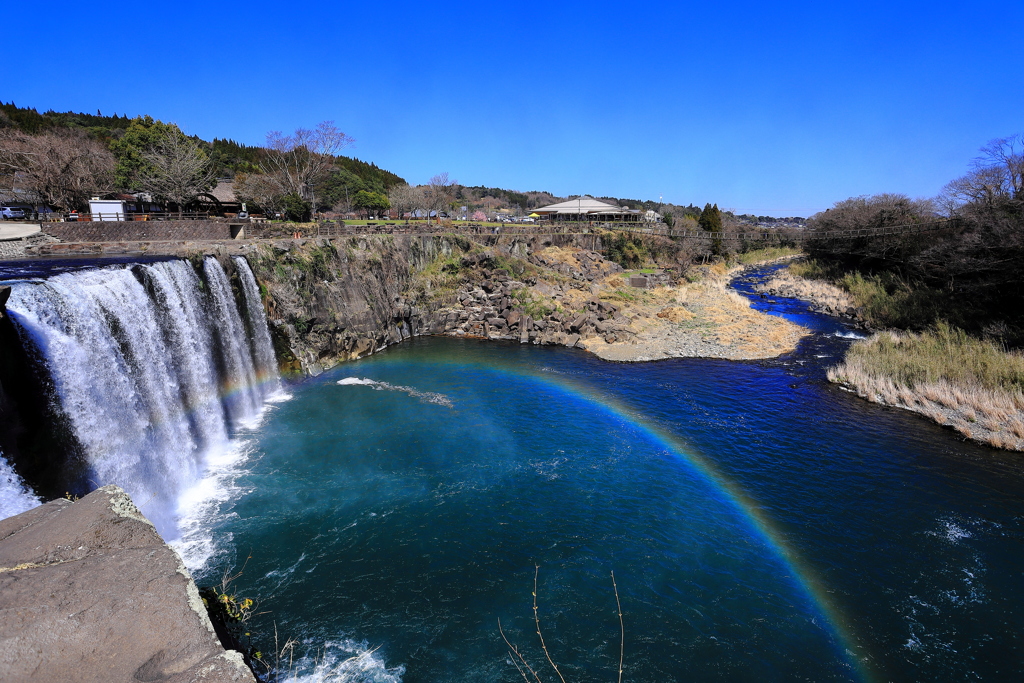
138	231
23	246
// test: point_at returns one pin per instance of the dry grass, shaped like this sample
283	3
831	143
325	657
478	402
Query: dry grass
676	314
817	291
565	255
764	255
970	384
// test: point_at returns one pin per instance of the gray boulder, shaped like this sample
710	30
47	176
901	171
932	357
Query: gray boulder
90	592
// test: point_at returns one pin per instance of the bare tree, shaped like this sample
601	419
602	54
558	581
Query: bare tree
996	175
872	212
177	169
405	198
301	160
440	193
62	168
265	191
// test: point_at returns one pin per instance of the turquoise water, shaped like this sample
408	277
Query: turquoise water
762	525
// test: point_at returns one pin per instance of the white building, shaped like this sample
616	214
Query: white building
587	209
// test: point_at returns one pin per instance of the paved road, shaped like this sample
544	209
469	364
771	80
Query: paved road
10	230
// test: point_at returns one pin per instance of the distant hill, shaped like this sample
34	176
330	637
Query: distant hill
229	157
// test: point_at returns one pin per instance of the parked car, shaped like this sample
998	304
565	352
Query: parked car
11	212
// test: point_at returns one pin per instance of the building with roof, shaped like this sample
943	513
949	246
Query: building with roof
587	209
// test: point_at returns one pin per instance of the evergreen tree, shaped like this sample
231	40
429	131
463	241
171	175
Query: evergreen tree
711	221
143	134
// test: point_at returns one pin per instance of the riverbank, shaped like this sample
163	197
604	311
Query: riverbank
336	299
695	320
576	297
971	385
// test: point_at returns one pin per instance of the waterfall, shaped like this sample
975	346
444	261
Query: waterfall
263	347
152	369
241	393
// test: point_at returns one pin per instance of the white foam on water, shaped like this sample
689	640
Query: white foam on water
950	586
15	497
424	396
283	575
200	505
849	335
345	661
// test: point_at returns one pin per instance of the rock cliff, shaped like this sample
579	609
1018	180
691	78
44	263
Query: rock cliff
90	592
336	299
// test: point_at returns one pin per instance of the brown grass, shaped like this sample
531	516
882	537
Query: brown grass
971	384
817	291
676	314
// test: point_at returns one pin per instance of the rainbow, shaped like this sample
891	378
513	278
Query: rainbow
761	526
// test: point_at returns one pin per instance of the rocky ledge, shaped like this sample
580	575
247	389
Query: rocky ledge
90	592
494	305
575	297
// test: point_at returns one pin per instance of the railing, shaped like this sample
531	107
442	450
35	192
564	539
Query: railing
116	216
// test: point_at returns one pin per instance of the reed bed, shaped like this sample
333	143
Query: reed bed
971	385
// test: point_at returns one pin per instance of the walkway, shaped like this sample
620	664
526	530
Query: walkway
16	231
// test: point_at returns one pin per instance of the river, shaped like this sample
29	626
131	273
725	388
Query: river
761	524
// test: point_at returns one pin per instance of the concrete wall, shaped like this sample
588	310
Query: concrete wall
138	231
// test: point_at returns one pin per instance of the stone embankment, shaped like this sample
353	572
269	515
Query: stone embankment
18	239
90	592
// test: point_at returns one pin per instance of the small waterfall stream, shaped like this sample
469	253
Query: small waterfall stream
152	368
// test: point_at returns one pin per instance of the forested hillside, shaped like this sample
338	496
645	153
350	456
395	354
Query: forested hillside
228	157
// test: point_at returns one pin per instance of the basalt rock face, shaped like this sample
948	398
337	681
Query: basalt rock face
90	592
336	299
330	300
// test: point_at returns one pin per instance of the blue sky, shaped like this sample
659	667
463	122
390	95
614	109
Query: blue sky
768	108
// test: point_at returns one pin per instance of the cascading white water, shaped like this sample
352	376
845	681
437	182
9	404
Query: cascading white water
242	394
263	347
151	372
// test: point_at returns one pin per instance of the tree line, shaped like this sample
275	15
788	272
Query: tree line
62	159
969	265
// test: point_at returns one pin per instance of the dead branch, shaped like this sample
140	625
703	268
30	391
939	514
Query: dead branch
536	619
